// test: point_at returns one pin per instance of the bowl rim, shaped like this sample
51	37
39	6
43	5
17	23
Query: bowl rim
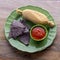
42	26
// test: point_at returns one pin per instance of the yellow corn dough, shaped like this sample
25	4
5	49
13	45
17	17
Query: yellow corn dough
36	17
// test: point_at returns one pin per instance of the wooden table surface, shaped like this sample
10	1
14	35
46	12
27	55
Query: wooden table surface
9	53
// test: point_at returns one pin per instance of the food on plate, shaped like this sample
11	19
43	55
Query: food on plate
35	16
38	32
20	31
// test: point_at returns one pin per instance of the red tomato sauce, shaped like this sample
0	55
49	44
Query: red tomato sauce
38	33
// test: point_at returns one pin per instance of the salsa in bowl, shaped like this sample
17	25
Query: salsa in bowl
38	32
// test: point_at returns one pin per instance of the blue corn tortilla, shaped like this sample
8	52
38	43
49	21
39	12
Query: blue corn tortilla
25	38
20	30
17	29
24	23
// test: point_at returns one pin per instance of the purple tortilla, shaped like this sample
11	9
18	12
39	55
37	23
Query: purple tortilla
25	38
25	24
20	29
17	29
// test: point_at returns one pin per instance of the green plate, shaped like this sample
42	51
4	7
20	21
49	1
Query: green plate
33	46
